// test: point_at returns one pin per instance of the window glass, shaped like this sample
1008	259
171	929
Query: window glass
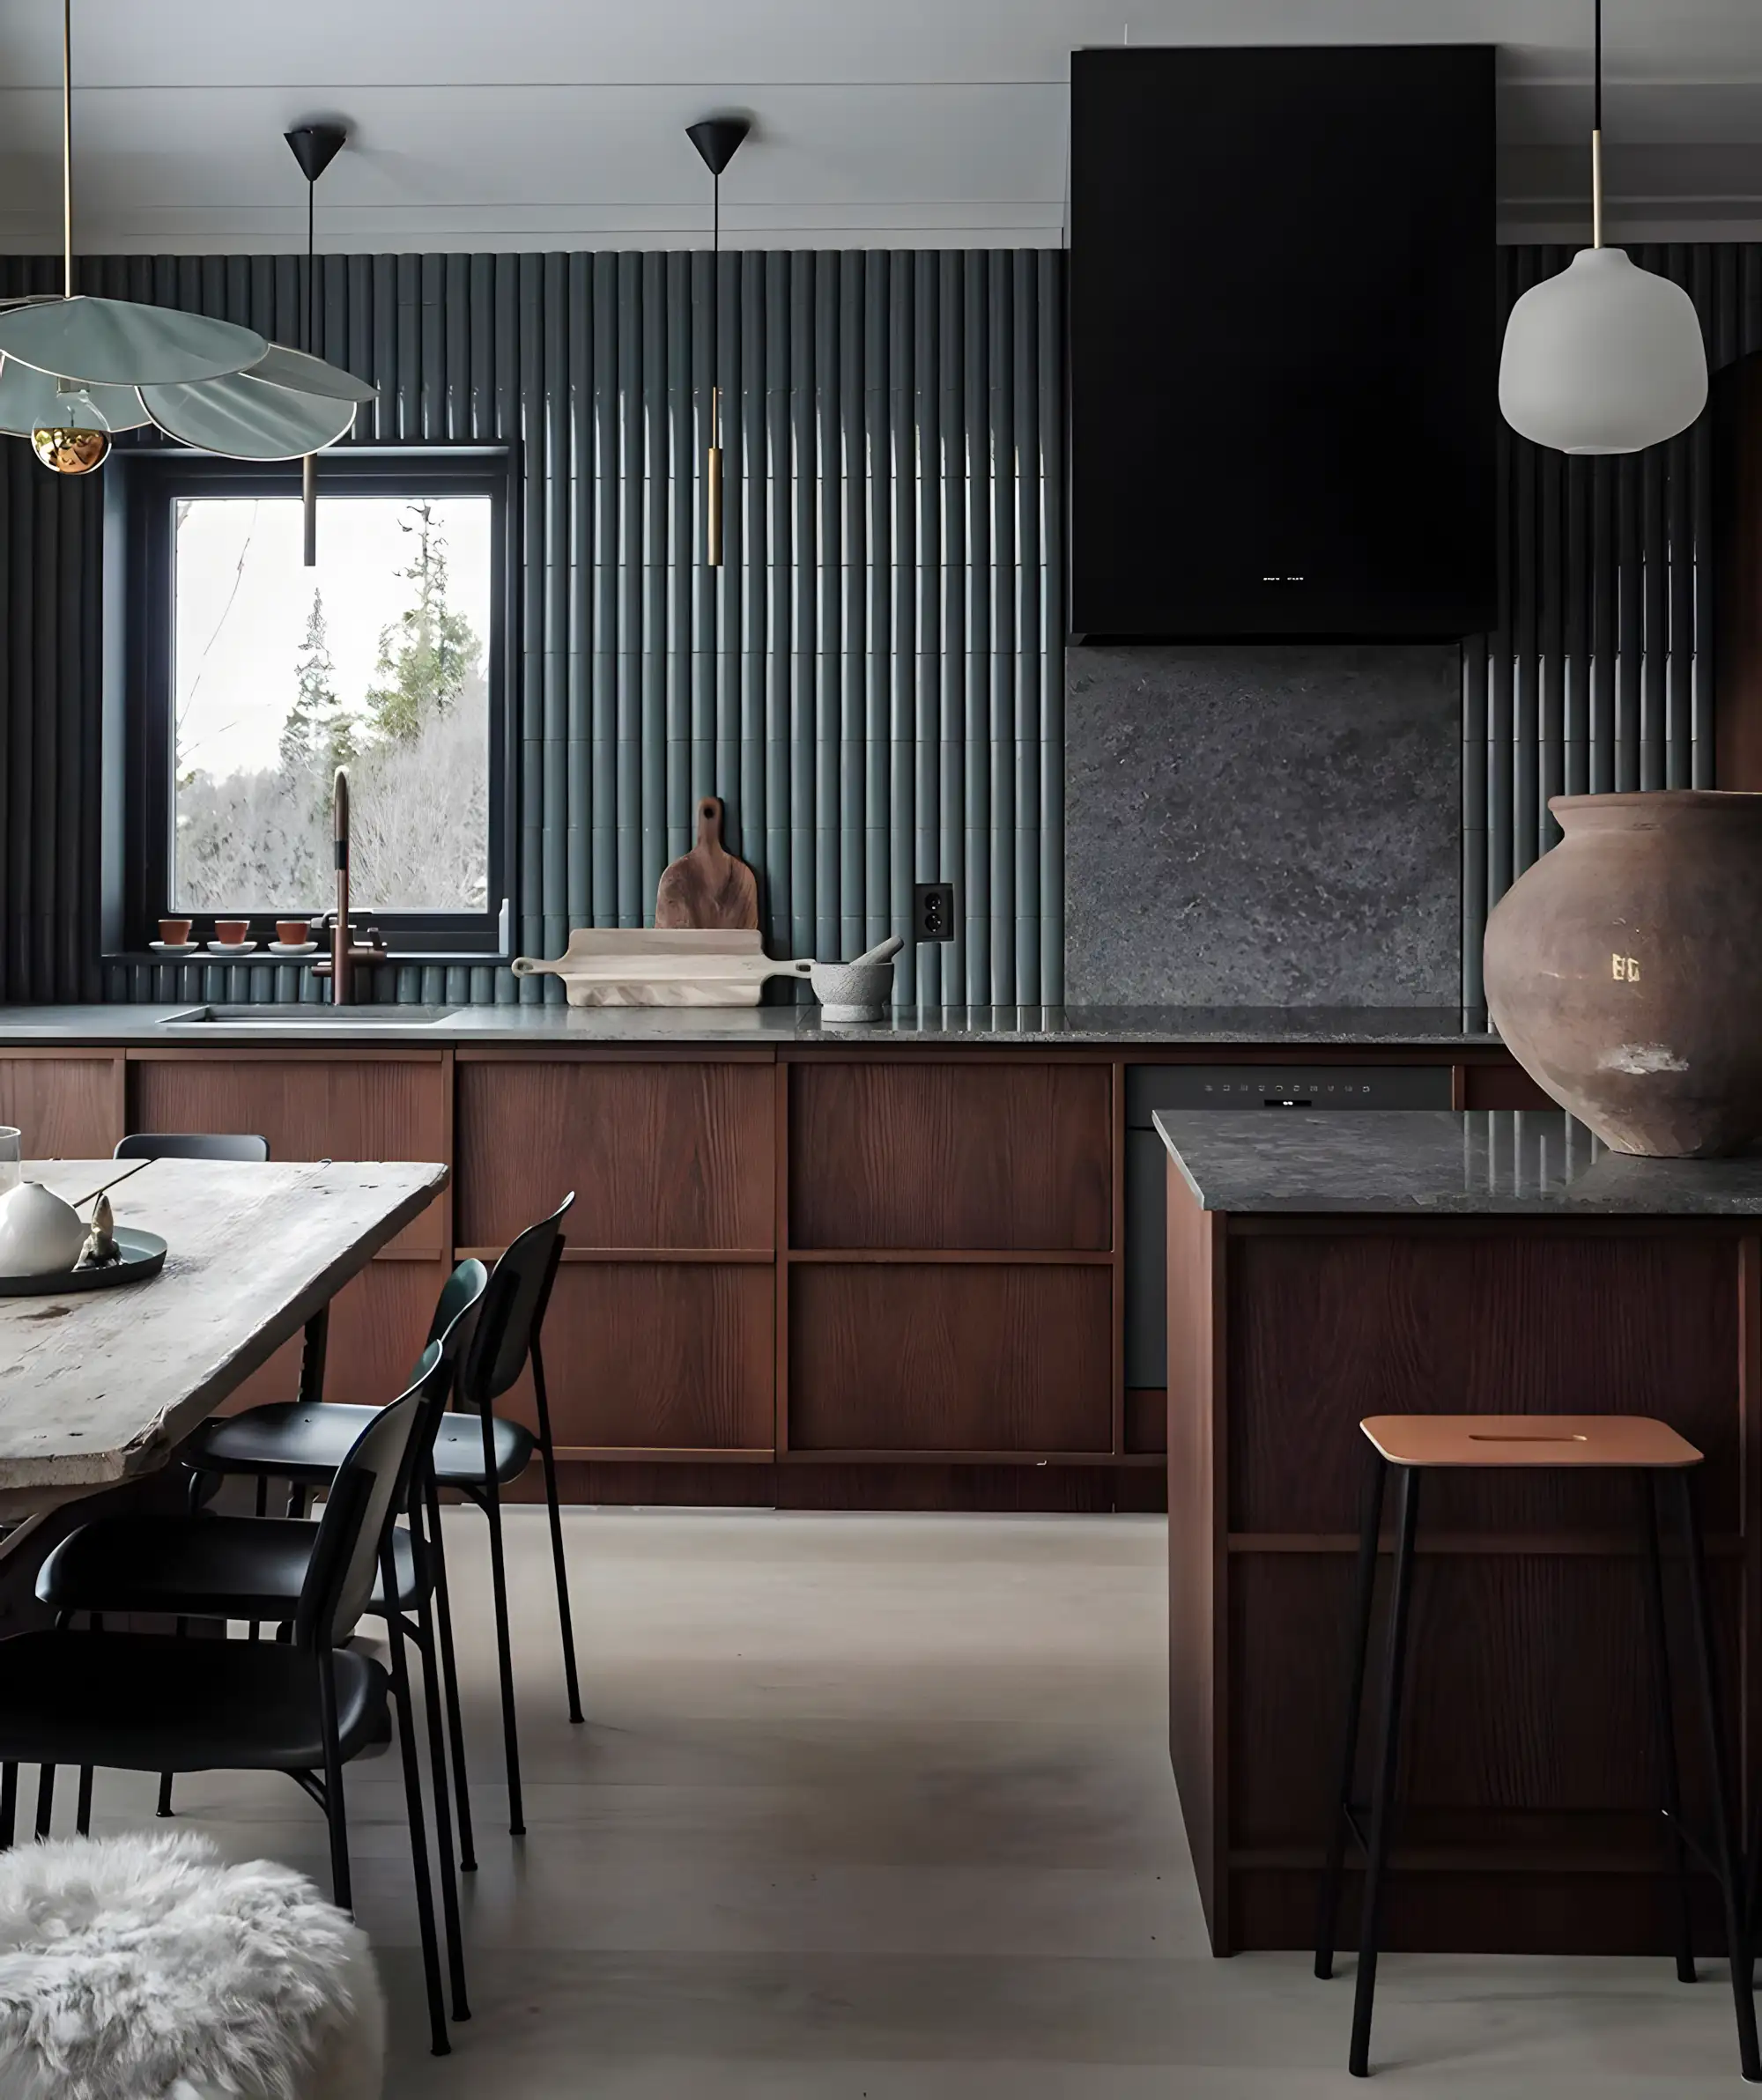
375	659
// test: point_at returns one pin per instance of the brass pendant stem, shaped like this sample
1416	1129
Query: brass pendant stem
308	494
1596	188
713	484
67	148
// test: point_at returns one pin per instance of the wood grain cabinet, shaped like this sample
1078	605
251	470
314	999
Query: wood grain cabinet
66	1106
313	1104
661	1339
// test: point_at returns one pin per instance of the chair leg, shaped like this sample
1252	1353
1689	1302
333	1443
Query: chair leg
1359	1639
164	1807
46	1782
443	1818
439	2043
1671	1791
1724	1850
336	1809
263	1510
1387	1760
516	1808
449	1678
547	1452
82	1814
9	1806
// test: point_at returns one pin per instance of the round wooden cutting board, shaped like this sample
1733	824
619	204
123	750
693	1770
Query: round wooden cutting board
707	887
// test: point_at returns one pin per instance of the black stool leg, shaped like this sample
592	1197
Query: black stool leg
1387	1758
1724	1851
1328	1913
1672	1789
449	1677
9	1806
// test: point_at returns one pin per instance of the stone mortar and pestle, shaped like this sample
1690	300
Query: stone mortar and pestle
859	990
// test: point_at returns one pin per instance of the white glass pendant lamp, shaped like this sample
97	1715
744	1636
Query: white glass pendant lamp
73	369
1606	356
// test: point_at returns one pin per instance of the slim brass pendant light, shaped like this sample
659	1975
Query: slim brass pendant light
717	139
315	146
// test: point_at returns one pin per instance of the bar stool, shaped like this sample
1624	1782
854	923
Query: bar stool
1415	1443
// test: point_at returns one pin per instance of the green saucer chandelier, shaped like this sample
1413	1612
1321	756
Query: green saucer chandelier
74	369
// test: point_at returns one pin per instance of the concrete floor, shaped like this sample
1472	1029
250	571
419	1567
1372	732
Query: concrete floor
878	1808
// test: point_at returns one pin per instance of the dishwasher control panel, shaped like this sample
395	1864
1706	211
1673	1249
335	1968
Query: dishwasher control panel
1284	1086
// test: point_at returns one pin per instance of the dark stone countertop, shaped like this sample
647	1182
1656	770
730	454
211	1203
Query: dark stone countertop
1440	1163
763	1026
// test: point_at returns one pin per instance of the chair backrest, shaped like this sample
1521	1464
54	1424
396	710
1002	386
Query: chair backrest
521	1288
193	1144
365	1495
374	1484
457	1329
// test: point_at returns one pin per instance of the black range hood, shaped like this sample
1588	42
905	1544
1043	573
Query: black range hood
1284	343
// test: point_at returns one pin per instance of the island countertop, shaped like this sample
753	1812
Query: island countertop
186	1023
1441	1163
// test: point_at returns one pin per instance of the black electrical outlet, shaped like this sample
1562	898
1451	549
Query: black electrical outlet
933	911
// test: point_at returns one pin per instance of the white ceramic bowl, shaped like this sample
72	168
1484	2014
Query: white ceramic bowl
852	991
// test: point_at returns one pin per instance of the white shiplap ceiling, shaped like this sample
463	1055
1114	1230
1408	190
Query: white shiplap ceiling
559	124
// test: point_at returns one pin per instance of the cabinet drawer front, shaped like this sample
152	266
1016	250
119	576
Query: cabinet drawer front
950	1156
915	1356
659	1154
657	1356
310	1108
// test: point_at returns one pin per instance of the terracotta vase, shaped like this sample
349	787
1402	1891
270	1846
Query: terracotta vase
1623	970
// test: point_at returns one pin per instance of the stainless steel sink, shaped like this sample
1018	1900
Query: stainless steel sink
306	1016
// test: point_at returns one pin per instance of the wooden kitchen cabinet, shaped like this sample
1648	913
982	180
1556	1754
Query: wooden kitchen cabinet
65	1106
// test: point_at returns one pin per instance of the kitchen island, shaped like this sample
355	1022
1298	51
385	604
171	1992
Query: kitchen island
1325	1268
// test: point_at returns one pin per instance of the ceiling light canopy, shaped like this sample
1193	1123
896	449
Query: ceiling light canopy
75	369
1606	356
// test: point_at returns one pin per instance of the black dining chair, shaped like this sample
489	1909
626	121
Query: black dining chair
477	1458
192	1144
306	1707
254	1568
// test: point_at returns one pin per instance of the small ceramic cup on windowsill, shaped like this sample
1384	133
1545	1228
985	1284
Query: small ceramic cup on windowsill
232	932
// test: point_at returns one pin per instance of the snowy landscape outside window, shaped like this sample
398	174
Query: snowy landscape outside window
376	660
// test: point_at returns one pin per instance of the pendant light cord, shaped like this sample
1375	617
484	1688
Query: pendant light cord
1596	127
67	148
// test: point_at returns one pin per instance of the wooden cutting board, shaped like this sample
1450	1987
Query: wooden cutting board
673	966
707	887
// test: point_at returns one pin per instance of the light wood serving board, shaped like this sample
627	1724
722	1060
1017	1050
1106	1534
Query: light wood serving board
707	887
661	966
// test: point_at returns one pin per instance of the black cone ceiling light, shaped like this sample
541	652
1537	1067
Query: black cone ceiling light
315	146
75	369
717	139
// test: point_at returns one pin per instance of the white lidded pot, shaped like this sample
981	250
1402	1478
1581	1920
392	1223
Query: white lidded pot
39	1235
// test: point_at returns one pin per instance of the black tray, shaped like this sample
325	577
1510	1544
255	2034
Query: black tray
143	1256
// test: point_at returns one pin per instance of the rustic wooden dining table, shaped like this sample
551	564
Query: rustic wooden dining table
98	1388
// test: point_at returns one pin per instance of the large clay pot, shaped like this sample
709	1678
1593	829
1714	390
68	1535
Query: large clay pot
1624	969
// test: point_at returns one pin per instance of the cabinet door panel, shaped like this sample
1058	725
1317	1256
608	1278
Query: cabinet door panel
975	1357
950	1156
657	1356
659	1154
63	1107
361	1108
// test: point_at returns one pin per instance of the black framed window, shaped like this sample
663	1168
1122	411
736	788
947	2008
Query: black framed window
249	679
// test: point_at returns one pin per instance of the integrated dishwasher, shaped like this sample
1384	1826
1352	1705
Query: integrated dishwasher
1262	1089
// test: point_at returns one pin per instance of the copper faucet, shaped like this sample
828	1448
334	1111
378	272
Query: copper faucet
345	950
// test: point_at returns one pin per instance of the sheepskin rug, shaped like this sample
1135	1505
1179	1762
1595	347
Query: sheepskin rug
143	1968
